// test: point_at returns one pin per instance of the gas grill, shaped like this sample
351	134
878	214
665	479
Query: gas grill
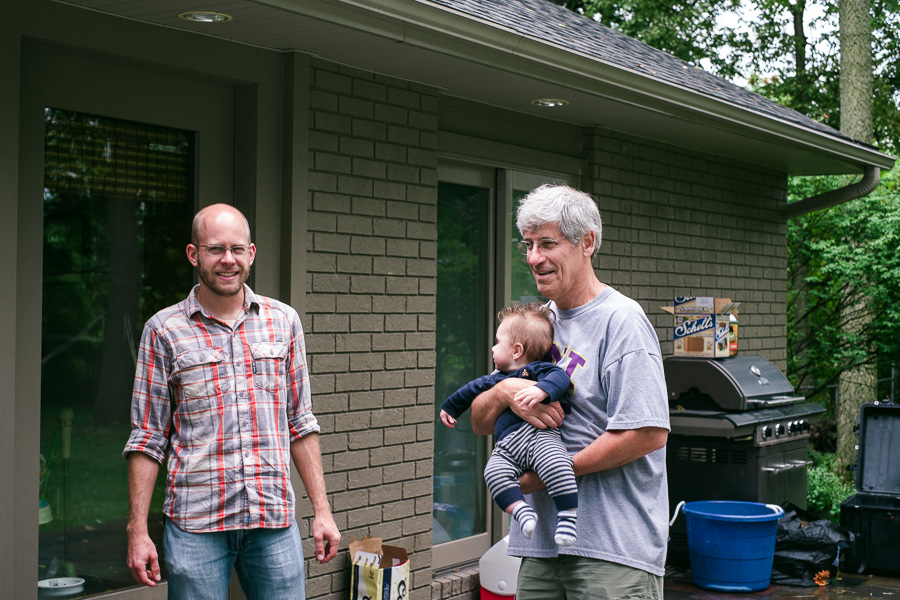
738	432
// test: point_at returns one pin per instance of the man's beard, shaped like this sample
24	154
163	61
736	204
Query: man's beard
212	282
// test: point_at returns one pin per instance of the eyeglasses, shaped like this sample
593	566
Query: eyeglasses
215	250
545	245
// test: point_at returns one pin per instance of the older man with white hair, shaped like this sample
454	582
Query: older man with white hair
618	425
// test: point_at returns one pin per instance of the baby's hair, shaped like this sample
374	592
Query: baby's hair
532	327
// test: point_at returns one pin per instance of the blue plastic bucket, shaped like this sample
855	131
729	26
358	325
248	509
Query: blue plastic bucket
731	544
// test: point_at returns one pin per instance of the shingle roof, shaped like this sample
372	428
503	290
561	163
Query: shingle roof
555	25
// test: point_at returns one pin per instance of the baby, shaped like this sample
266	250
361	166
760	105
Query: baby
523	340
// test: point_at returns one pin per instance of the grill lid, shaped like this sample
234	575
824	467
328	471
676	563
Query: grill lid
737	424
736	383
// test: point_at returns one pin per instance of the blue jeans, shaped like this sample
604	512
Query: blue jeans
269	563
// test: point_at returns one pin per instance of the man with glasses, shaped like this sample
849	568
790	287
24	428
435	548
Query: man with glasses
222	394
617	427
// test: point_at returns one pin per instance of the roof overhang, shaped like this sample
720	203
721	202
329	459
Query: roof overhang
470	58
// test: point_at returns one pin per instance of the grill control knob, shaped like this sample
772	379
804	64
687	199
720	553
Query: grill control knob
766	432
779	429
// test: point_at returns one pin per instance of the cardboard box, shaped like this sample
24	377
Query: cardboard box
704	326
378	571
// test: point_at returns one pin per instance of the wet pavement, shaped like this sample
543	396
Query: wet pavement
678	586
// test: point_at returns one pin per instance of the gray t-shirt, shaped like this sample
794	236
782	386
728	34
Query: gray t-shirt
611	352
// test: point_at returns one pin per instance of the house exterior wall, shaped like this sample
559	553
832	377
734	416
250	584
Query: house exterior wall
353	210
458	585
370	288
370	302
682	224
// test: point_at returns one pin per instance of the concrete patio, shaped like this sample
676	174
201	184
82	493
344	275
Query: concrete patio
678	586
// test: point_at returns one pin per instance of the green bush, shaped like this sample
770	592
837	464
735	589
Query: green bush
826	490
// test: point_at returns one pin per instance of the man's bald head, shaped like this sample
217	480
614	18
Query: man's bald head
213	213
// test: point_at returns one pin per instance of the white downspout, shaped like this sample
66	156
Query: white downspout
863	187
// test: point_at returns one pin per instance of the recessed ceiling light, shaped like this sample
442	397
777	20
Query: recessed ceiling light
199	16
549	102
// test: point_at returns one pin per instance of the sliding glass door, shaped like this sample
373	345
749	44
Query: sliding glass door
479	270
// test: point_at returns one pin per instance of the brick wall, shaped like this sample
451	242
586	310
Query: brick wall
674	223
370	307
463	584
682	224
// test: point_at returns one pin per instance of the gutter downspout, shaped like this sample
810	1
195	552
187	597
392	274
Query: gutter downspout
863	187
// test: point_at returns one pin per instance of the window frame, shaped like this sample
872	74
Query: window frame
503	180
202	105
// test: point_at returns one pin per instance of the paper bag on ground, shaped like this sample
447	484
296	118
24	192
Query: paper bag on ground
378	571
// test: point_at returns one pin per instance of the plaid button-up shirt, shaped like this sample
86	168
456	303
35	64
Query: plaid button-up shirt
223	405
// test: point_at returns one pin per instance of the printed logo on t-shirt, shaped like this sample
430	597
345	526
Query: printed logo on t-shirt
568	360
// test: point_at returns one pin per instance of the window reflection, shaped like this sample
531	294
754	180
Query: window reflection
524	289
118	199
461	343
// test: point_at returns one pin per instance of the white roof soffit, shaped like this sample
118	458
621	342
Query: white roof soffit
468	57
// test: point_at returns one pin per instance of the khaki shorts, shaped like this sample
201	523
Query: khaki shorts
576	578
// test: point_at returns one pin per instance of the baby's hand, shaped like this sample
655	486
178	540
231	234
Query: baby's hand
447	419
531	395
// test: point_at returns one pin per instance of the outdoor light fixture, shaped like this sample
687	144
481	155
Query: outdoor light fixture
199	16
549	102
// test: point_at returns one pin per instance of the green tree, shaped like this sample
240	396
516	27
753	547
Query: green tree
791	52
786	50
853	245
686	29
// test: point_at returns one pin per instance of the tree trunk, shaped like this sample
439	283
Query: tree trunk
116	377
856	387
856	69
797	10
859	385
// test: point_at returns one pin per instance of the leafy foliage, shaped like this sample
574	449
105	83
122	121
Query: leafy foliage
785	50
886	84
825	490
855	245
686	29
794	58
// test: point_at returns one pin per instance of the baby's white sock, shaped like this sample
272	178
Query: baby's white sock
565	528
527	519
